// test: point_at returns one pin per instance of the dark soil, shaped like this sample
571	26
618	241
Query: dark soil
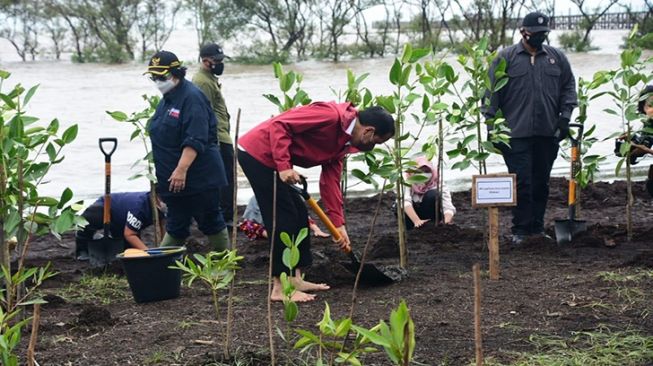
544	289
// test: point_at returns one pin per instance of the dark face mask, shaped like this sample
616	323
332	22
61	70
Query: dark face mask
535	40
217	69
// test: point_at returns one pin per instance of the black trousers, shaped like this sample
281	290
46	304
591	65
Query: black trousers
227	192
531	158
425	209
203	207
292	214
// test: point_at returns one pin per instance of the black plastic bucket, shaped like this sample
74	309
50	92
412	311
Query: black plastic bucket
149	277
102	252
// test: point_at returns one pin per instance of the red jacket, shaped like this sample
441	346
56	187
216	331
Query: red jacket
307	136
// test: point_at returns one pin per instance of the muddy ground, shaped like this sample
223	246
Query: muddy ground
544	289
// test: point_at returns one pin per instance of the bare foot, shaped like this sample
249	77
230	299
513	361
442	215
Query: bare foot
298	296
306	286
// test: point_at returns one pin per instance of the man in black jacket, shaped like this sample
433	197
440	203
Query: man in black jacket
537	103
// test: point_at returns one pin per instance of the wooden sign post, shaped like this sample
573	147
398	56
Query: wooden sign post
492	191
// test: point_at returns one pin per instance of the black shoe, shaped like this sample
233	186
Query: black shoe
517	239
543	234
82	256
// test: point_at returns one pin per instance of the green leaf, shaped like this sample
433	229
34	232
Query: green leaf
425	103
278	70
418	53
374	337
405	75
462	165
66	196
303	233
395	73
64	222
617	169
274	100
290	311
408	51
285	238
118	116
70	134
29	95
7	99
387	103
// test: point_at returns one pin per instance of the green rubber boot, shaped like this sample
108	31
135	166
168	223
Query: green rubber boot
171	241
220	241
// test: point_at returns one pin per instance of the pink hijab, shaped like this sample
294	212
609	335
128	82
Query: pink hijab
424	165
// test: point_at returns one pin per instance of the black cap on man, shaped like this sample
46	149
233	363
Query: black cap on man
535	29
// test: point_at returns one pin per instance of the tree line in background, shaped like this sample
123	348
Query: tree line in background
118	31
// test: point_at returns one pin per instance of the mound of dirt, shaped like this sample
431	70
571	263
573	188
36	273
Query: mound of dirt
92	315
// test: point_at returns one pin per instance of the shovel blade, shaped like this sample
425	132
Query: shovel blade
370	275
102	252
566	230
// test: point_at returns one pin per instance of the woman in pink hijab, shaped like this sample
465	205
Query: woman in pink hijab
420	198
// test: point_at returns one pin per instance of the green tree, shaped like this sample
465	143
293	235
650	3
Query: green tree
155	23
627	82
20	20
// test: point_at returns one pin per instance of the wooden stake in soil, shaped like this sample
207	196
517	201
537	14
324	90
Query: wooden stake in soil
234	235
31	349
364	258
477	315
273	234
493	241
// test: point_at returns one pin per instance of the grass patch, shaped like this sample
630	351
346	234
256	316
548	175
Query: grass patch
626	285
104	289
625	276
601	348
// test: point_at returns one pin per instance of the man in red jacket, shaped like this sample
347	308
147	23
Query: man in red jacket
317	134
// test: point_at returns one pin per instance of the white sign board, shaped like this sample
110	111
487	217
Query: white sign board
494	190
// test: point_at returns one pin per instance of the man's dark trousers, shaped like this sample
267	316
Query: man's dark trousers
531	158
227	192
292	214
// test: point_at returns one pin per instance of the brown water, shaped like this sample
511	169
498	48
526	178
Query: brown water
82	93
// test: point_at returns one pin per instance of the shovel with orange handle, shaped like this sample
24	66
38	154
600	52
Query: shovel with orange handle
370	274
566	229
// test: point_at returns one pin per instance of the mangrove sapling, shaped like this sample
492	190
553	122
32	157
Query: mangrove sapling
436	85
290	260
330	343
286	82
466	112
397	338
398	103
11	325
216	270
589	164
27	152
140	121
362	98
627	82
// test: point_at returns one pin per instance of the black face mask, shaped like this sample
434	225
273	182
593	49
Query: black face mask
217	69
535	40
